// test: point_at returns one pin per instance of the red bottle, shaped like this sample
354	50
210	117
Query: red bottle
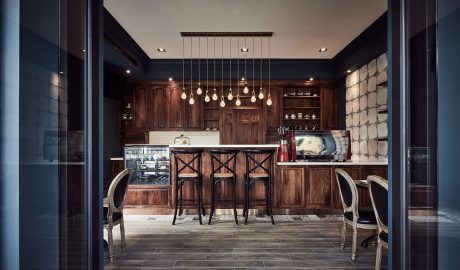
292	146
283	151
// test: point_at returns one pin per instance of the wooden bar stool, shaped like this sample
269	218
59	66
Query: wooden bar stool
223	167
188	171
259	171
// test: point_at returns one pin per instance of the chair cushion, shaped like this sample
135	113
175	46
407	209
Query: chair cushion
115	217
383	236
223	175
188	175
366	216
258	175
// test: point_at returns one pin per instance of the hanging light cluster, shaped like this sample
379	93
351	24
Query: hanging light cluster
240	81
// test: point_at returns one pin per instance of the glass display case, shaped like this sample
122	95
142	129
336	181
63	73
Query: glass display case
149	163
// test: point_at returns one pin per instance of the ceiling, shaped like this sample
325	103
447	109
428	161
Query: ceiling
300	27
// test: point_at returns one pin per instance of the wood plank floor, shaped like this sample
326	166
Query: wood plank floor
153	243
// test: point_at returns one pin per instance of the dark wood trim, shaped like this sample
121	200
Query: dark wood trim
226	34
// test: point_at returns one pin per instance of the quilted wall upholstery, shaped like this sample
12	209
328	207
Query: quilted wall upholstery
366	94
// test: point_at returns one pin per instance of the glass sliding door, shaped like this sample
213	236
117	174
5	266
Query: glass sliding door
57	181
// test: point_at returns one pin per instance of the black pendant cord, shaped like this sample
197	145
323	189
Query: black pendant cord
269	68
191	67
214	65
199	61
183	64
230	78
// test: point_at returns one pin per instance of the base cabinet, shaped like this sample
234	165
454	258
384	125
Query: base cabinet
289	189
319	187
145	196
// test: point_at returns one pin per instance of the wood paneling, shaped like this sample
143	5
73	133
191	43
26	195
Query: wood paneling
319	187
175	109
148	196
158	108
242	126
140	117
194	114
274	112
290	188
328	107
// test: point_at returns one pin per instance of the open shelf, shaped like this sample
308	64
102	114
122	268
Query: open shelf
311	119
302	108
384	83
300	97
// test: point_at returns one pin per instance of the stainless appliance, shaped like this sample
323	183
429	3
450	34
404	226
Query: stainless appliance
149	163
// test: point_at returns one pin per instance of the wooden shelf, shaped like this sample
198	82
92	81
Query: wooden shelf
310	119
382	111
211	108
302	108
301	96
384	83
211	120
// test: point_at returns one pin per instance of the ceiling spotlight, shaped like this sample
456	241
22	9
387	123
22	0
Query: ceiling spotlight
161	49
128	71
349	71
322	49
171	79
61	72
311	79
244	50
243	79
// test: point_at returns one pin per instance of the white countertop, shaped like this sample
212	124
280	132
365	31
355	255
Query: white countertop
333	163
223	146
117	158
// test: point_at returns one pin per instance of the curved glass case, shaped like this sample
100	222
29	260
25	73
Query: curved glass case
149	163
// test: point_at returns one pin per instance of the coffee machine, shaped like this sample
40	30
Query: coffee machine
283	149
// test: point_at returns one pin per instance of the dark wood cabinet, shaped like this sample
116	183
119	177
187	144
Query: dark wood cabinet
148	196
176	109
194	114
290	188
158	108
318	186
140	99
328	107
242	126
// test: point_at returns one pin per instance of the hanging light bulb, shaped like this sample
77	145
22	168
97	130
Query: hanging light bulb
214	96
261	94
199	91
230	95
238	101
253	99
246	89
222	102
191	100
207	98
184	95
269	100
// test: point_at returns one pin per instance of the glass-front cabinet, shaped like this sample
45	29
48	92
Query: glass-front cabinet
149	163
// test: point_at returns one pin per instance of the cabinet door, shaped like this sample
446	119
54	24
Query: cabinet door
328	107
291	187
140	99
175	109
274	111
194	114
319	187
158	108
227	128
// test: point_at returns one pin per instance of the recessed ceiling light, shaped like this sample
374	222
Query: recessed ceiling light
128	71
243	79
322	49
348	71
244	50
171	79
161	49
311	79
61	72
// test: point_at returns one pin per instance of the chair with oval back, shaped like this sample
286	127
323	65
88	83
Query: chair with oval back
352	214
113	208
378	189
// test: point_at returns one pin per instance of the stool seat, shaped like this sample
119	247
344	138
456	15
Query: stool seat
188	175
223	175
258	175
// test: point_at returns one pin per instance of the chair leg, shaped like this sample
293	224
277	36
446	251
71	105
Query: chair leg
122	234
355	240
198	187
213	197
378	257
177	204
270	203
234	199
246	215
181	211
344	233
110	238
201	193
266	199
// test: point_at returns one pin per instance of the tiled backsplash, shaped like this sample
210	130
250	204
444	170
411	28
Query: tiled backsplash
196	137
365	95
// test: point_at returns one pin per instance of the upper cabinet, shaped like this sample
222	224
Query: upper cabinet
140	99
328	107
158	108
194	114
176	109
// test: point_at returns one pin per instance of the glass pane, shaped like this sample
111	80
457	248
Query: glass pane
149	164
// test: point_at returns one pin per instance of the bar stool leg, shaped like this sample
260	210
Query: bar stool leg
266	199
181	198
247	202
201	193
198	187
213	197
234	199
270	201
177	203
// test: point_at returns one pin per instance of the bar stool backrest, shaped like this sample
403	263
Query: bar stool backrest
185	161
263	166
378	189
218	164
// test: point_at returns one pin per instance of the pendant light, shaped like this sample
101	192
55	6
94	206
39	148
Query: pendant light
222	99
238	101
183	95
214	96
191	101
230	94
199	91
269	98
261	93
207	98
253	98
246	89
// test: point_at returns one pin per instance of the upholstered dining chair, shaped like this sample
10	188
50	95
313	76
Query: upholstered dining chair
357	218
113	209
378	189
